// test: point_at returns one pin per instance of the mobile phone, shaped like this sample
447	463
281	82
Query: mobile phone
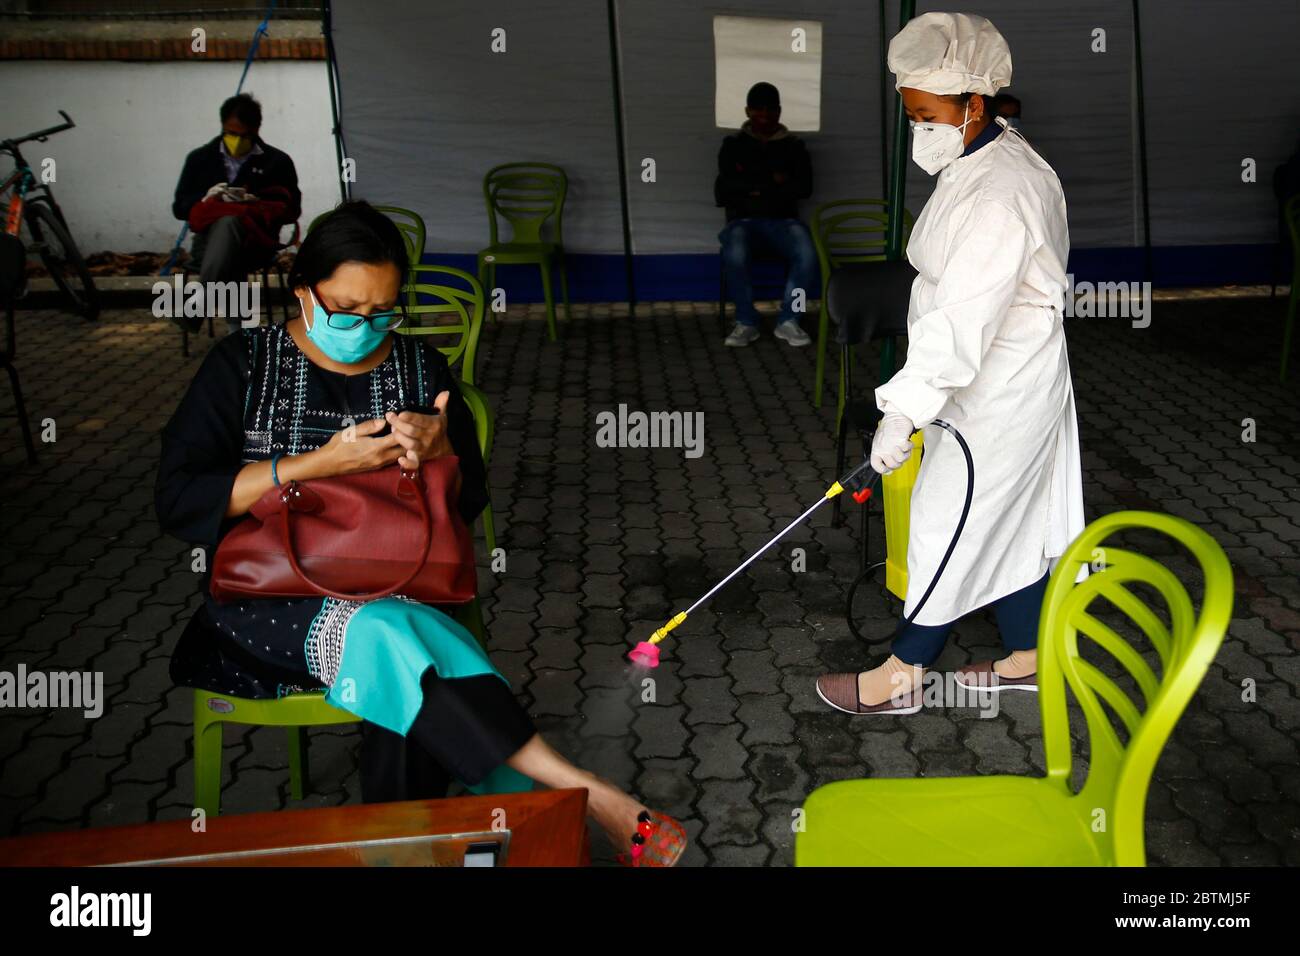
408	407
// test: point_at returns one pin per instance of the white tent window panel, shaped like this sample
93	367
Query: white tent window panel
785	53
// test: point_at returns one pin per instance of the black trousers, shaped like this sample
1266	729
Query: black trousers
464	730
221	257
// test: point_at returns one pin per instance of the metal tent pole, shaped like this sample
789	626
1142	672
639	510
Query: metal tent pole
616	73
327	30
884	103
897	189
1142	144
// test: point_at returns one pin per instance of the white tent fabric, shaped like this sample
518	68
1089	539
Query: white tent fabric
1077	109
1222	86
427	108
786	53
668	84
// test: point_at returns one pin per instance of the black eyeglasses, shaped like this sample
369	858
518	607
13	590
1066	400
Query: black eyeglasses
379	321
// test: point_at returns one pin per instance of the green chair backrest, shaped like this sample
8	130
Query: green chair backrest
527	196
411	226
1292	213
1118	772
409	223
853	230
448	303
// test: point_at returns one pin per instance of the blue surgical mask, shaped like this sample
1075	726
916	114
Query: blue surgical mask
342	345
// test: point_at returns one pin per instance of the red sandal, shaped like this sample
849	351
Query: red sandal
659	840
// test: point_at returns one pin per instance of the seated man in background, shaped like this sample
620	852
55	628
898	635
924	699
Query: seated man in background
763	172
236	192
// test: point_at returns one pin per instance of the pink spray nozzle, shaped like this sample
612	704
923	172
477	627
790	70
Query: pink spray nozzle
645	654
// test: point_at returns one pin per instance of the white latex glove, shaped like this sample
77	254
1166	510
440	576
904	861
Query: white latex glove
892	443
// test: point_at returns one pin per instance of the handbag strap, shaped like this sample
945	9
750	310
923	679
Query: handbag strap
291	489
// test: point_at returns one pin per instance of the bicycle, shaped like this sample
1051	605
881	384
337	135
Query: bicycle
32	202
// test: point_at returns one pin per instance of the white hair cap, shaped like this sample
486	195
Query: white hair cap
947	53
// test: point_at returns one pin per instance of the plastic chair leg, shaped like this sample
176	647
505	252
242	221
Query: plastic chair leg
1290	326
487	278
888	353
470	617
819	376
842	429
489	529
22	413
841	398
564	286
483	270
549	295
841	453
207	761
299	771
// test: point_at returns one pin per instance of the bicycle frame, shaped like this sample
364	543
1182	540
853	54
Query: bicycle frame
18	182
24	182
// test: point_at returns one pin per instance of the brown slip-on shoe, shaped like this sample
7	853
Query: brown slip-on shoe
841	692
983	677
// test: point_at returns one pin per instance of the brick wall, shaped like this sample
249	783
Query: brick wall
177	48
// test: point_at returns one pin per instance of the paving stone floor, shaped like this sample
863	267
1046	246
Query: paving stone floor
603	544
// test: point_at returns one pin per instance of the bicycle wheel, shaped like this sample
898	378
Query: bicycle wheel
50	240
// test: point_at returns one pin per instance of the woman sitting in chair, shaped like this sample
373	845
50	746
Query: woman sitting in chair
274	404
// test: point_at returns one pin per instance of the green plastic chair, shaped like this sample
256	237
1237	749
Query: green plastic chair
1292	213
846	230
485	431
411	226
1030	821
454	312
408	222
527	196
297	712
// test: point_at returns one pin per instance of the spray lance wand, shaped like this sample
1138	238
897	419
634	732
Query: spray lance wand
861	485
647	652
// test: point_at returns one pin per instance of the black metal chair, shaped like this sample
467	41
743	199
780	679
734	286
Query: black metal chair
264	271
867	301
13	265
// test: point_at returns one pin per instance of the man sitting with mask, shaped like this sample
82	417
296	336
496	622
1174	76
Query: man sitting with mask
236	191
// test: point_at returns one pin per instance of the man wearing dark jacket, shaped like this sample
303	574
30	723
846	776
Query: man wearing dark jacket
236	192
763	172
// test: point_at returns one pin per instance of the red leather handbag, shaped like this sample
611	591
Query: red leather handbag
358	537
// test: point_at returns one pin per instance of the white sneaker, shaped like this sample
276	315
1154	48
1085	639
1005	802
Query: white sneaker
790	331
742	335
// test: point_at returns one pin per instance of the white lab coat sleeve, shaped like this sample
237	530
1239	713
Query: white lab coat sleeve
988	256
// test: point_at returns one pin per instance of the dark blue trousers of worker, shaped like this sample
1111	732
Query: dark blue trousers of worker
1017	616
787	239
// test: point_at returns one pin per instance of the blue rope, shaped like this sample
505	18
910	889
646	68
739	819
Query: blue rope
252	50
248	61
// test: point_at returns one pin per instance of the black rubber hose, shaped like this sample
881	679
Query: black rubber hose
952	545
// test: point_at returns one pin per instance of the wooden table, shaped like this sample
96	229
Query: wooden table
540	828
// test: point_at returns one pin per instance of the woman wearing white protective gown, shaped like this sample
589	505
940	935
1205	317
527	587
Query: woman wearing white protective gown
986	353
